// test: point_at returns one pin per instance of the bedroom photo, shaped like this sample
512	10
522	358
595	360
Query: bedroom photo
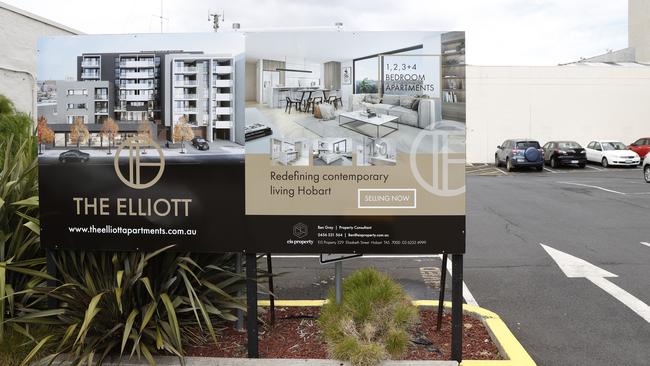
332	152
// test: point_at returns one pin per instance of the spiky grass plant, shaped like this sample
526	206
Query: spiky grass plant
134	304
371	324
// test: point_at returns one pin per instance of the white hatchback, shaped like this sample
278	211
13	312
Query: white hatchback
608	152
646	170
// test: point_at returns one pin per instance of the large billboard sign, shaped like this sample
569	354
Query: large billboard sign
369	166
265	143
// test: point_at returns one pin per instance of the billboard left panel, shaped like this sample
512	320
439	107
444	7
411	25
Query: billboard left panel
141	140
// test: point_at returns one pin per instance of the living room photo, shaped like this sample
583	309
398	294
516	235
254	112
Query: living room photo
355	86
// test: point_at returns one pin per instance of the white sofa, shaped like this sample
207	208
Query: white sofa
427	113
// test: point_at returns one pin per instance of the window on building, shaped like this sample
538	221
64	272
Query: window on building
77	106
77	92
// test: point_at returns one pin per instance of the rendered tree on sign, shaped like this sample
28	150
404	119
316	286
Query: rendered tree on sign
45	134
79	132
110	129
144	132
182	132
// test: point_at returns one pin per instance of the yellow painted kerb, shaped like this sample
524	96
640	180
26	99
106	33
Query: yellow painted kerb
509	346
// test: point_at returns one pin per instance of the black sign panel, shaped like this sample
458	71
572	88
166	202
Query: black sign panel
197	204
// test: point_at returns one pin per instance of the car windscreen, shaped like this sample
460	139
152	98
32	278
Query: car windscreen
523	145
568	145
614	146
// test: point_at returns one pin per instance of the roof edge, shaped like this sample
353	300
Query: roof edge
38	18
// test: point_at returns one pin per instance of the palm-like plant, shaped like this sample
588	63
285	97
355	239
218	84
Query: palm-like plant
134	304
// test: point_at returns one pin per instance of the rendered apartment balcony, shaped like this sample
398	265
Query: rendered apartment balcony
222	110
101	110
90	64
139	63
90	75
137	98
185	97
136	86
222	97
222	69
221	124
186	110
183	83
221	83
101	96
186	70
136	75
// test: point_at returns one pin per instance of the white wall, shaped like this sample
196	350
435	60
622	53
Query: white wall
578	103
20	31
251	81
302	78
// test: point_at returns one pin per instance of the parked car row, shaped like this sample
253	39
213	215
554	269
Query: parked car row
515	153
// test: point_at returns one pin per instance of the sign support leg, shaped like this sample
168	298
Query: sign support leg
338	274
251	302
269	267
239	325
457	308
441	294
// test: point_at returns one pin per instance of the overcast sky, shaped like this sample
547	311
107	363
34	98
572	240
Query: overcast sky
499	32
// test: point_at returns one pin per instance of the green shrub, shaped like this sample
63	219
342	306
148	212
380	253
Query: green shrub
371	324
134	304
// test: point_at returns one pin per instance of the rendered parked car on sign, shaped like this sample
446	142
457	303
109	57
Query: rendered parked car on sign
641	147
517	153
646	170
609	152
74	155
200	143
558	153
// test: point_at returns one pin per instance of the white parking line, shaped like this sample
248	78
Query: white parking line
646	244
595	187
549	170
502	172
469	298
594	168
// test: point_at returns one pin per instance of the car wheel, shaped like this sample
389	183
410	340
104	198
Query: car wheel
646	173
553	162
605	163
539	168
496	161
509	165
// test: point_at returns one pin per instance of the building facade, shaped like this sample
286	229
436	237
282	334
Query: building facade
200	88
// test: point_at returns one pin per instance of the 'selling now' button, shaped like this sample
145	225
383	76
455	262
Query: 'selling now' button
387	198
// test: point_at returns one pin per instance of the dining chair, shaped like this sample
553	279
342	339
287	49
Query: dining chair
290	103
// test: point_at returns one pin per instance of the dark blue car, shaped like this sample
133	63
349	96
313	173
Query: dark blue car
517	153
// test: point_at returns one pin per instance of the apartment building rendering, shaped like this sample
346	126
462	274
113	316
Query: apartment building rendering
163	86
200	88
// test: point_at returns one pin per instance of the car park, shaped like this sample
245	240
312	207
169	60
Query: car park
557	153
74	155
515	153
611	152
641	147
200	143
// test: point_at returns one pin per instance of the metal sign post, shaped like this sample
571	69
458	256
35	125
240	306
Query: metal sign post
441	294
251	302
338	274
457	307
269	268
239	325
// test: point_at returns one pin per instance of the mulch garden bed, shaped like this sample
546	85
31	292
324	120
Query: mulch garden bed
296	334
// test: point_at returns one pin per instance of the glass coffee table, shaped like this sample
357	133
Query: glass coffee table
381	120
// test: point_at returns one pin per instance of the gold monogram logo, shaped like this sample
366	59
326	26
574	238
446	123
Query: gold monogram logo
134	146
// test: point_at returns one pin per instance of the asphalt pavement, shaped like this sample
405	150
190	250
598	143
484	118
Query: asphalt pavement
601	216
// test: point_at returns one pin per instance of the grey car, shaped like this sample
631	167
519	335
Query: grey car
516	153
